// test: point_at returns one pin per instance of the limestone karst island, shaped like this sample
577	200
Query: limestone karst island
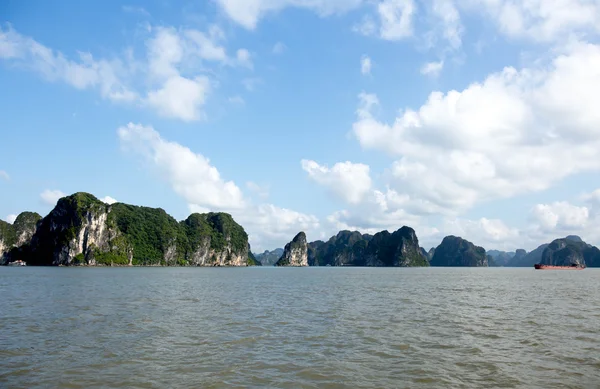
81	230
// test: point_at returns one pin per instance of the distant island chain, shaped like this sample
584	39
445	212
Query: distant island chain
81	230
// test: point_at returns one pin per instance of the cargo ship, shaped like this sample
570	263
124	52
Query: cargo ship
573	266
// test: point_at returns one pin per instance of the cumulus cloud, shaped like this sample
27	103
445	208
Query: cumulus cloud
489	233
199	183
11	218
432	69
396	18
261	190
365	64
349	181
51	196
191	175
540	20
517	131
180	97
446	19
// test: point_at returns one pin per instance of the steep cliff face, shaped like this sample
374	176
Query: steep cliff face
81	230
569	251
252	261
351	248
75	232
399	249
215	239
25	226
7	238
295	253
347	248
455	251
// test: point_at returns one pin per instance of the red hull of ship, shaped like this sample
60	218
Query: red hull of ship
539	266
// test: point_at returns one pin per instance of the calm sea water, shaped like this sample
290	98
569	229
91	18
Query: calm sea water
299	328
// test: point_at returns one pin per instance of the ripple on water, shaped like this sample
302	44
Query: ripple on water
284	328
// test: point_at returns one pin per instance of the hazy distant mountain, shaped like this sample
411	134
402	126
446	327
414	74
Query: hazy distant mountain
501	258
269	258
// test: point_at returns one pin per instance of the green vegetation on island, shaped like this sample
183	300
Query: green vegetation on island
83	230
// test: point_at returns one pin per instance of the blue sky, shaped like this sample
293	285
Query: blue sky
474	118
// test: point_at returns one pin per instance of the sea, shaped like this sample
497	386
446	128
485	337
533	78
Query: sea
267	327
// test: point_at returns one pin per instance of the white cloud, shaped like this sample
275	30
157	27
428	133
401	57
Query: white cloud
86	73
540	20
237	100
108	200
244	58
135	10
173	79
191	175
270	226
206	46
261	190
50	197
251	83
365	65
181	97
11	218
432	69
279	48
366	27
200	184
448	18
560	215
396	18
483	232
4	175
349	181
453	150
247	13
560	218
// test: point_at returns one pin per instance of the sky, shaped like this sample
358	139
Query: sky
476	118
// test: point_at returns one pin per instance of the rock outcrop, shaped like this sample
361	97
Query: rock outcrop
398	249
570	251
82	230
295	253
215	239
351	248
13	236
8	238
455	251
269	258
524	259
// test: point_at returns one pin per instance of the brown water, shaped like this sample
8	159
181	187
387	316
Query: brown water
299	328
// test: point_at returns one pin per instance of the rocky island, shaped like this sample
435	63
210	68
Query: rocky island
295	253
82	230
455	251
